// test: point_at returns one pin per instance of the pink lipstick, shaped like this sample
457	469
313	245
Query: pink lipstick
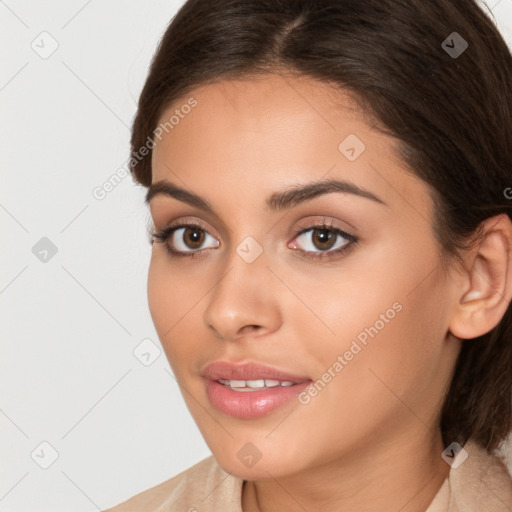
250	390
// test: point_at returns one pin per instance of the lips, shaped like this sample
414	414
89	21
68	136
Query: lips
248	372
253	403
250	390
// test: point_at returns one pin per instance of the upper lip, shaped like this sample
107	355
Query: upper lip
247	371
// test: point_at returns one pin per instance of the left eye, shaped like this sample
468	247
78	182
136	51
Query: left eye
323	239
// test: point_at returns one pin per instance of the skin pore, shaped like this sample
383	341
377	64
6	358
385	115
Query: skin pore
370	439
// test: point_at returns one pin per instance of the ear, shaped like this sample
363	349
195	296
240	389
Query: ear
486	286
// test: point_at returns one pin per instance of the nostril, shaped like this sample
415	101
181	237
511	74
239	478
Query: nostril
250	328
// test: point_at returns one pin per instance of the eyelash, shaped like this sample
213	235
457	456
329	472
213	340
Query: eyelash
164	235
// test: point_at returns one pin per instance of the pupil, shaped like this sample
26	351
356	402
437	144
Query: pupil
196	236
325	236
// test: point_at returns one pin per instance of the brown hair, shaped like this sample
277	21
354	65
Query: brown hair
451	114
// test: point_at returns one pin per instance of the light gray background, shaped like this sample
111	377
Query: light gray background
71	324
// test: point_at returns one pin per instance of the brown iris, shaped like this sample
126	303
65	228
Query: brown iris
324	237
193	237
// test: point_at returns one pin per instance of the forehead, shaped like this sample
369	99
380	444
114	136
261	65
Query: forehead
259	94
262	133
264	104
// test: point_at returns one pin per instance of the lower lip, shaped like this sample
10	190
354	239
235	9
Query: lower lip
251	404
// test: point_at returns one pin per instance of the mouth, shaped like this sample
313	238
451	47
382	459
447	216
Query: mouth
250	390
252	374
245	402
255	385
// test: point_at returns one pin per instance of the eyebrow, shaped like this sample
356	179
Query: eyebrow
275	202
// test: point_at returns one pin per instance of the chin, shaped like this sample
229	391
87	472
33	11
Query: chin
260	467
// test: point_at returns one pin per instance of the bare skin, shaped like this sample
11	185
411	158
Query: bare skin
370	439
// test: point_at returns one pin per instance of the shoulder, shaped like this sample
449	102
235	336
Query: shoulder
204	486
477	481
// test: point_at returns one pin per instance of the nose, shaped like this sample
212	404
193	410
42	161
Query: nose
244	300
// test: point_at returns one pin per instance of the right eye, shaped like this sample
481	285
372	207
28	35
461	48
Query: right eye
183	238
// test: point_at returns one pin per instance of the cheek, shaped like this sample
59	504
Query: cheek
169	301
175	301
365	391
159	299
172	293
385	321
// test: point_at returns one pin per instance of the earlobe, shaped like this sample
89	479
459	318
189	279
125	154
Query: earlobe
487	284
472	295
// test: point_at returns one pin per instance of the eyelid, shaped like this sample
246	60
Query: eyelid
189	221
326	222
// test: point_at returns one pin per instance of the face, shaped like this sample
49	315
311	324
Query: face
339	288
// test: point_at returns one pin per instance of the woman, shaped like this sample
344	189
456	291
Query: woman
331	273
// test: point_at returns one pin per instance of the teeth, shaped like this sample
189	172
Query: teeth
237	383
247	385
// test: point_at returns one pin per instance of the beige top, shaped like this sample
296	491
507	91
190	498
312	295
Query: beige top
480	484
